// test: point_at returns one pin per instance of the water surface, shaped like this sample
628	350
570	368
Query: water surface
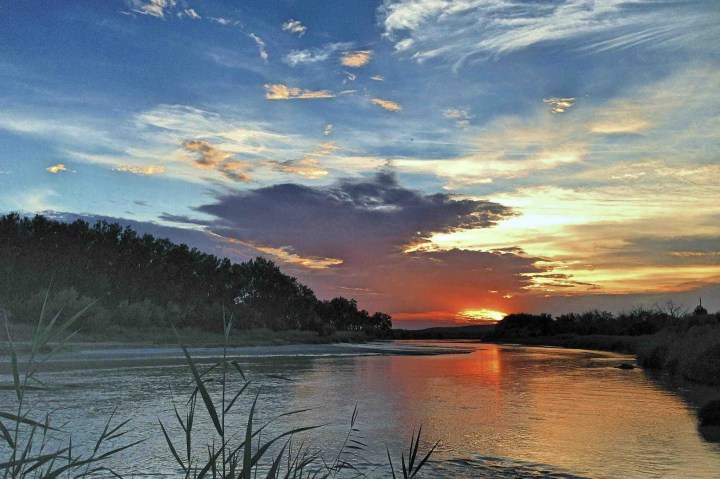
498	411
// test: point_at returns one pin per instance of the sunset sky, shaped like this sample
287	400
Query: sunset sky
436	160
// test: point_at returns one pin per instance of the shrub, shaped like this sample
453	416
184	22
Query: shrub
709	414
705	367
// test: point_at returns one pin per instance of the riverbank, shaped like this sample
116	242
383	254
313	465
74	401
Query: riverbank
117	355
692	353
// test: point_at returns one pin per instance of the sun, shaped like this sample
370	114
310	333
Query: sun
472	315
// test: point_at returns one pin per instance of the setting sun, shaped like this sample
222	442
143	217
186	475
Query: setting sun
472	315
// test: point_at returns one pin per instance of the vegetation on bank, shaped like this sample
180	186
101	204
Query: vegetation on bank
669	338
142	282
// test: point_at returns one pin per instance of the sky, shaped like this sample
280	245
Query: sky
446	162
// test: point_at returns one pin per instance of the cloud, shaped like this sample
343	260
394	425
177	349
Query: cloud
387	104
461	116
346	219
192	14
141	170
315	55
236	170
210	156
56	168
356	59
454	31
377	78
261	47
559	105
155	8
328	129
294	26
307	167
283	92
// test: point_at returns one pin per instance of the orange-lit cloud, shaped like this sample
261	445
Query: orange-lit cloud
276	91
56	168
387	104
284	254
141	170
307	167
356	59
235	170
210	156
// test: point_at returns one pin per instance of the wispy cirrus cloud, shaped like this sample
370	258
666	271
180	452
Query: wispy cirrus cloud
454	31
278	91
306	167
145	170
261	46
387	104
356	59
315	55
155	8
294	26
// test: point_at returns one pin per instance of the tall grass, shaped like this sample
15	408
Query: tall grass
32	446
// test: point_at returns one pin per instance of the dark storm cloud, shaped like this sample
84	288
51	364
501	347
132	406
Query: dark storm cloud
350	219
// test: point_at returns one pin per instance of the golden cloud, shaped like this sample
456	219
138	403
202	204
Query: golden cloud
210	156
56	168
356	59
141	170
284	254
387	104
307	167
235	170
277	91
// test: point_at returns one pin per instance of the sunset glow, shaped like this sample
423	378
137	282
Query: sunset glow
471	315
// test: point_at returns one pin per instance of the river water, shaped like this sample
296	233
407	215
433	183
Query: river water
497	411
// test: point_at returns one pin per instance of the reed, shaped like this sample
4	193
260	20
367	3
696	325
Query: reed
244	454
33	446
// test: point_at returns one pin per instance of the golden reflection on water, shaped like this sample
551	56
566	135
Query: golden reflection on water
570	409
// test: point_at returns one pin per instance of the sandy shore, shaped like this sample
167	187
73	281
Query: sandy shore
94	356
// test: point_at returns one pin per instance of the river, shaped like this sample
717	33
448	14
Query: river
497	411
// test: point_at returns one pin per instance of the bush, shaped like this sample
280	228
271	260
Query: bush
705	367
655	358
709	414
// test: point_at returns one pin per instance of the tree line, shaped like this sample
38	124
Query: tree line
139	280
640	321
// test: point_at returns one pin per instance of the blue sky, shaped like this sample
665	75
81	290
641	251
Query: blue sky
435	159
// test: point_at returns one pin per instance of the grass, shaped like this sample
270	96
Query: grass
34	447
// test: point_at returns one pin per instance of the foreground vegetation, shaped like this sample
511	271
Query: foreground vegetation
139	282
34	447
